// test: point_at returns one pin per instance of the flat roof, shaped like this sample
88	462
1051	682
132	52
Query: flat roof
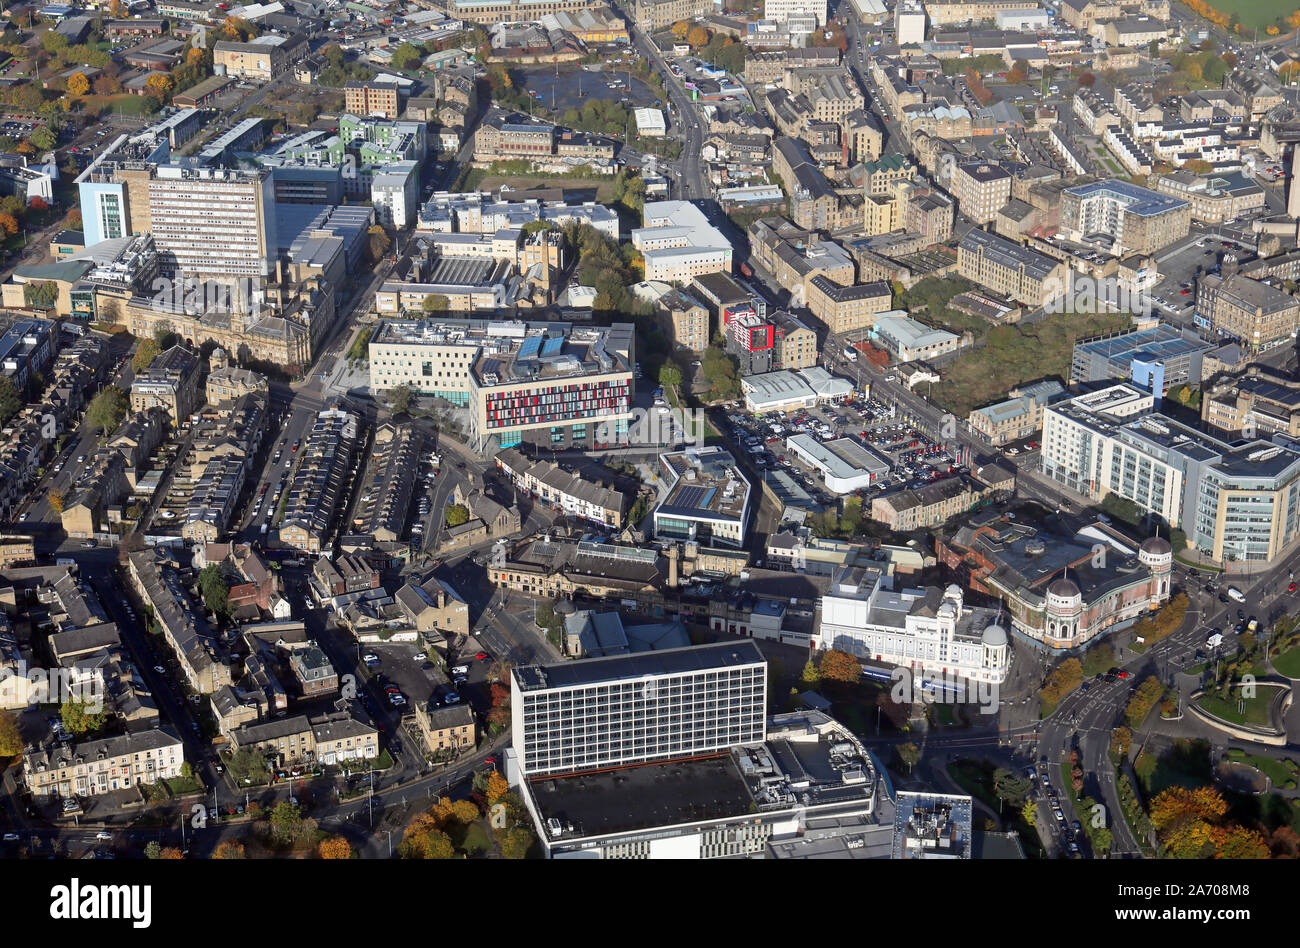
641	665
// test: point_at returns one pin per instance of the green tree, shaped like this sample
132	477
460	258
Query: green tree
437	302
516	843
79	719
215	592
457	514
164	337
670	376
153	850
145	353
407	56
107	409
10	402
810	678
400	399
1009	786
286	821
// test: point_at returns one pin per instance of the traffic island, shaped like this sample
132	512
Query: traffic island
1254	716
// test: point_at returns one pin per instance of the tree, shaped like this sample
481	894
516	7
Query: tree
247	764
1010	787
1086	79
670	376
229	850
107	409
56	500
159	85
145	353
497	787
697	36
400	400
216	594
436	303
910	755
78	84
286	821
407	56
378	242
9	224
837	665
73	220
457	514
11	742
152	849
171	852
810	678
11	402
680	29
164	337
335	847
1029	812
79	719
516	844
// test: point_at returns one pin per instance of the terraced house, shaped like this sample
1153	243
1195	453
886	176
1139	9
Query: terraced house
91	768
316	492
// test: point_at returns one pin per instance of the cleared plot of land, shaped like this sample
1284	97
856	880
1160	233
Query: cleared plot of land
1258	13
604	188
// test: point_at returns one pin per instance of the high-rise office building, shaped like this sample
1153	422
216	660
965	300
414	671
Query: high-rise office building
633	709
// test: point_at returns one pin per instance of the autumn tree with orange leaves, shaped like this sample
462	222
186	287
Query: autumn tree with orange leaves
335	847
1190	823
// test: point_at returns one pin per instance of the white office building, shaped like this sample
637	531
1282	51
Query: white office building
395	193
930	631
785	10
679	243
634	709
707	498
909	23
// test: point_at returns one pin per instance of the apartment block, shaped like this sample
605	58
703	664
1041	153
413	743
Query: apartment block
981	189
1132	218
1259	316
92	768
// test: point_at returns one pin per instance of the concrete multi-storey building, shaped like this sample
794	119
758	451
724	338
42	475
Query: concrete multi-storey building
635	709
684	320
1010	268
784	10
1258	401
654	15
1157	358
981	189
930	631
679	244
909	23
1130	218
208	222
707	498
1257	315
1214	199
1233	501
551	384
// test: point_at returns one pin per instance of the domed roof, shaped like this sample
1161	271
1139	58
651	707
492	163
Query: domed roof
995	635
1063	588
1157	546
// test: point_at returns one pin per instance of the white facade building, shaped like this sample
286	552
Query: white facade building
395	193
679	243
785	10
930	631
909	23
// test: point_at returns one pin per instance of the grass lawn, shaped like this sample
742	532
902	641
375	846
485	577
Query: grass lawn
1282	772
604	187
1253	711
1257	13
1288	663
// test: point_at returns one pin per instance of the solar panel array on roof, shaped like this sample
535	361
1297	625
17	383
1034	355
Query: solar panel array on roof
691	497
529	347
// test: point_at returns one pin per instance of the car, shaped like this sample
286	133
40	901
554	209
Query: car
89	545
11	837
481	656
420	656
1292	587
490	760
1123	674
160	670
103	834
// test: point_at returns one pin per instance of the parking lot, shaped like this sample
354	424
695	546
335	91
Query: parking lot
914	459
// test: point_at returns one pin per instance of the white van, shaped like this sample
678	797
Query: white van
1236	594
